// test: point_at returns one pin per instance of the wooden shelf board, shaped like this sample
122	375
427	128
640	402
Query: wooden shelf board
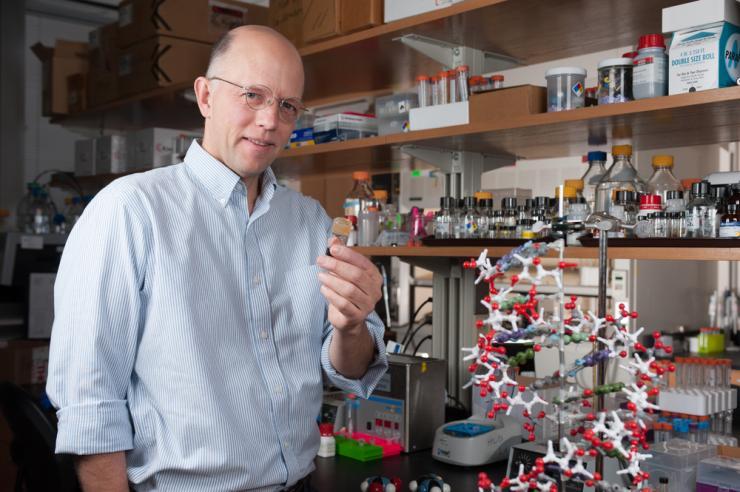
531	31
671	121
668	254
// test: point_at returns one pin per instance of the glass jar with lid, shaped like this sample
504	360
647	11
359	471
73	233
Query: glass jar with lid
621	176
662	180
596	170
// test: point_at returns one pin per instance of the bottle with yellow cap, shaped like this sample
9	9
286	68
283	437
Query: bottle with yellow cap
621	176
577	185
662	181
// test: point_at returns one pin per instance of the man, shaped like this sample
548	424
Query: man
190	329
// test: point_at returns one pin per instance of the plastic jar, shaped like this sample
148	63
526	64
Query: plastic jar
650	70
565	88
497	81
615	80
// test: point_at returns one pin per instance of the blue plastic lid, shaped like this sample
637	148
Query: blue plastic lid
596	155
703	425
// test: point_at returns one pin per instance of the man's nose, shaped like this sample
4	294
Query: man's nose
268	117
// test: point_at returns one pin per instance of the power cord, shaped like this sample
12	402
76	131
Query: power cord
428	337
413	320
424	322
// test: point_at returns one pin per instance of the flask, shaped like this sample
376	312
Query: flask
662	180
621	176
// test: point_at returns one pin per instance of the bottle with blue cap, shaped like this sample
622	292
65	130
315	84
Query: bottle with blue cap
596	169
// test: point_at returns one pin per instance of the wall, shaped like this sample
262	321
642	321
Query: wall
47	146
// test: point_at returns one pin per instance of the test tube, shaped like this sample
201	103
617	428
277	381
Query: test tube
443	87
434	85
452	91
462	82
351	414
703	430
497	81
422	91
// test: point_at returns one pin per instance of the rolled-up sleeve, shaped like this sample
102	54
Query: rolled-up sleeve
97	319
364	386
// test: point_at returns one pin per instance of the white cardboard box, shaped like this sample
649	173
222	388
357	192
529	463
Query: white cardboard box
399	9
153	147
439	116
110	154
700	13
85	157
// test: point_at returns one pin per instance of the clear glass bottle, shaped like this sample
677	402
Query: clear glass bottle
470	218
674	201
644	227
662	180
42	211
621	176
485	215
719	195
509	217
628	200
444	218
660	225
362	192
596	170
699	212
458	225
541	213
678	224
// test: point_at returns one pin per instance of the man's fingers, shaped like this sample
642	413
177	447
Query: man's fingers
346	254
341	304
347	271
346	289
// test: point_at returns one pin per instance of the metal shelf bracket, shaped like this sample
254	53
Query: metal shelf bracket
452	55
462	169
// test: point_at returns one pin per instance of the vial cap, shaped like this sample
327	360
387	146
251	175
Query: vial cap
622	150
528	203
463	68
422	78
615	62
630	54
326	429
541	202
509	203
686	183
651	41
662	161
674	195
700	188
719	191
626	196
442	74
650	199
487	203
596	155
577	184
497	78
380	194
447	202
470	202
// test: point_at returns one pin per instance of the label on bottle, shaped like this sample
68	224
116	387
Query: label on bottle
442	229
693	222
729	229
650	70
352	206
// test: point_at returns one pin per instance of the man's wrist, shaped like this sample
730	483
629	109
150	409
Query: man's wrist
352	331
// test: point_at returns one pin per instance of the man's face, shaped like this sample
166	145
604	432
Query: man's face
249	140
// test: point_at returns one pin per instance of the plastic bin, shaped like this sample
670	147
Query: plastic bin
566	88
395	105
720	473
677	460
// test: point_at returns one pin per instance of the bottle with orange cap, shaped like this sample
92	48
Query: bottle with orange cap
621	176
361	194
662	180
463	72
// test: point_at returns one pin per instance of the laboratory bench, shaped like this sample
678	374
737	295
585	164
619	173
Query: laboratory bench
345	474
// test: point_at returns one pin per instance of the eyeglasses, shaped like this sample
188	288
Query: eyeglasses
260	97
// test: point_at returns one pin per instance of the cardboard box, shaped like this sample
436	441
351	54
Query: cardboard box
507	103
110	154
700	13
64	59
24	361
198	20
102	87
160	62
360	14
103	44
85	157
286	17
77	92
153	147
399	9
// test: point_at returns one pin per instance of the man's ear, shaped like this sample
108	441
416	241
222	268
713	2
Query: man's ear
203	96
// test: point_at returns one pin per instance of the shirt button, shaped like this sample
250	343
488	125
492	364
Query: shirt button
263	335
278	390
256	280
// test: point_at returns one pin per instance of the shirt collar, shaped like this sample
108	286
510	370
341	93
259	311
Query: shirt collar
217	178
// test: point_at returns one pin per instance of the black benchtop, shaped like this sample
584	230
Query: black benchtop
340	474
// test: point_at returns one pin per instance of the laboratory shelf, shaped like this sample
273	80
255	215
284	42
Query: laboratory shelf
531	31
718	252
696	118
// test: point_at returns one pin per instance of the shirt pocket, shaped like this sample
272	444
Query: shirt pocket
302	310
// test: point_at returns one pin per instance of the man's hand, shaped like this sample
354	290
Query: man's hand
351	285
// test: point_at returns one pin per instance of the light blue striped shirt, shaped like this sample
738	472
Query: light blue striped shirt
192	334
